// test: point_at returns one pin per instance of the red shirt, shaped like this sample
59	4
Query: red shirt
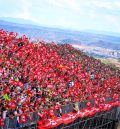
23	118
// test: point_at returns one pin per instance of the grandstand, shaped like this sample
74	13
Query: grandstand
47	85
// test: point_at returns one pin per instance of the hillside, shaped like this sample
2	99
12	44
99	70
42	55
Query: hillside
111	61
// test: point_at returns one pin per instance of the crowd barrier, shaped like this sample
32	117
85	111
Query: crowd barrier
102	120
105	120
29	124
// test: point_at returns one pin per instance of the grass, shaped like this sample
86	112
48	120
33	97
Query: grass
111	61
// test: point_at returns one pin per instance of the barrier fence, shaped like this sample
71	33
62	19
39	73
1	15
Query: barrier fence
101	120
13	123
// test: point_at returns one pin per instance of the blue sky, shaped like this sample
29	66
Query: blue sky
103	15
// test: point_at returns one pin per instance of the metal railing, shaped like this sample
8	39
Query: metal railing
102	120
13	123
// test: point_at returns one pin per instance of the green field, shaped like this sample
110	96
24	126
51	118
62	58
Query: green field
111	61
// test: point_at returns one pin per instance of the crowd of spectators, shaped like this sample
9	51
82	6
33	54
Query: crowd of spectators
41	77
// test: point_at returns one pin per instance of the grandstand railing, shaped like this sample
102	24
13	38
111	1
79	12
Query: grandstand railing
103	119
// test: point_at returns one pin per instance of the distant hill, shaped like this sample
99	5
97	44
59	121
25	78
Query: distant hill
116	34
61	35
17	20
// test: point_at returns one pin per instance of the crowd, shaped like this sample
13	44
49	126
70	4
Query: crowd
41	77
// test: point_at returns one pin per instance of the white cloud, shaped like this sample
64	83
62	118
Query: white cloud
22	10
18	9
102	4
107	4
56	3
25	10
62	20
78	5
71	4
117	4
114	21
92	13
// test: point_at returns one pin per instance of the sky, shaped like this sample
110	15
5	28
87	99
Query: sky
101	15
